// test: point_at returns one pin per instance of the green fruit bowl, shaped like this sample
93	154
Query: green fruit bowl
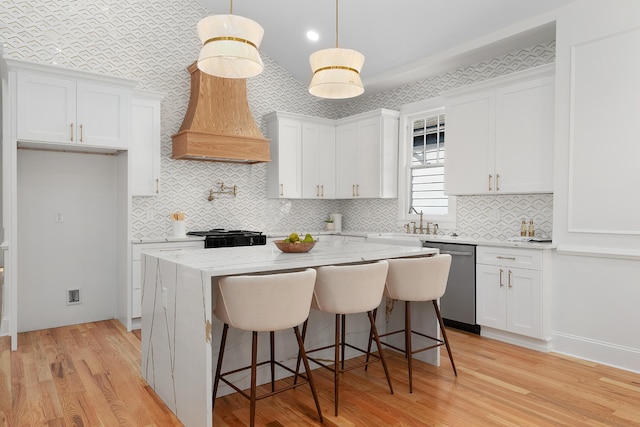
296	247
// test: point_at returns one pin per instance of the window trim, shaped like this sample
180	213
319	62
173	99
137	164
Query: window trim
408	113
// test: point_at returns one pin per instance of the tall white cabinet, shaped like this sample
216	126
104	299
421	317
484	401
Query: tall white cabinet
70	117
145	143
367	155
500	135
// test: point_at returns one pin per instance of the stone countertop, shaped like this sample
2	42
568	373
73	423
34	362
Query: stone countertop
254	259
169	239
463	240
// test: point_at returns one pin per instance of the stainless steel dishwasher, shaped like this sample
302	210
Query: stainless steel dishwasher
458	304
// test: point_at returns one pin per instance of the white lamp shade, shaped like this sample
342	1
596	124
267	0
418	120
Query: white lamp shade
336	73
230	46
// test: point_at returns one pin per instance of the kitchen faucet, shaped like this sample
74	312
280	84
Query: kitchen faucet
414	226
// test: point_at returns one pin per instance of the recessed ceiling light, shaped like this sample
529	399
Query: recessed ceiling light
312	35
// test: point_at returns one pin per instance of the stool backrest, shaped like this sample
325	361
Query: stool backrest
418	279
269	302
345	289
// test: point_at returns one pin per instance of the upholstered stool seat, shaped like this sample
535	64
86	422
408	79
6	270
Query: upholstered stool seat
349	289
259	303
416	280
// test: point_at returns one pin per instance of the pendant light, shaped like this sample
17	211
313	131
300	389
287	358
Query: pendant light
230	46
336	71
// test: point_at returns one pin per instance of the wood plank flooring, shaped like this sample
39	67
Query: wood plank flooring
88	375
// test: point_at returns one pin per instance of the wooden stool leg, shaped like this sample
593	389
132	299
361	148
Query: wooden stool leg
216	381
304	334
343	340
272	362
302	353
444	336
380	352
254	361
375	312
336	369
408	347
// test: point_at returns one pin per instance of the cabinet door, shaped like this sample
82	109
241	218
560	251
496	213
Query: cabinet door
289	158
46	109
470	136
368	165
310	166
144	152
524	302
318	161
346	160
103	116
524	137
326	161
491	296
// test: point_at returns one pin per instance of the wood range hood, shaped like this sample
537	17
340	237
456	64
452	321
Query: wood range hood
218	125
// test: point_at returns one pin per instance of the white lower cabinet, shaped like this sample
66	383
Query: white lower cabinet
510	290
136	266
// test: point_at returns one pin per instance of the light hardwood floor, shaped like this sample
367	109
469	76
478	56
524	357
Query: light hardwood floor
88	375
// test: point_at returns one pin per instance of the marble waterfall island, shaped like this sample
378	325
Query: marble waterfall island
180	335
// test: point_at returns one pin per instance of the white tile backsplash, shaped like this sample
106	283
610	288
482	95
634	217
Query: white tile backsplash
155	41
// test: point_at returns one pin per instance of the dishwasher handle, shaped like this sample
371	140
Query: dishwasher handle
457	253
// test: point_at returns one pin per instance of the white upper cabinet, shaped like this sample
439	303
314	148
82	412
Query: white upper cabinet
60	110
284	171
367	155
318	160
144	150
500	135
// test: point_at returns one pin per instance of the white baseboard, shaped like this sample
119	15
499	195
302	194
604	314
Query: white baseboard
515	339
617	356
4	327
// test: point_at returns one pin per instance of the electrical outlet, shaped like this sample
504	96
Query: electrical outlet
60	217
149	215
73	296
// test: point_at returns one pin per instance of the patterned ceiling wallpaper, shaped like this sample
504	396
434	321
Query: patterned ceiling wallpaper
134	39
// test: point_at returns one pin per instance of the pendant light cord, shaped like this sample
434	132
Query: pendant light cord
336	24
231	7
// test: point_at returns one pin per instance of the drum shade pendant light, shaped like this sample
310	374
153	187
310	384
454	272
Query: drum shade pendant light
336	72
230	46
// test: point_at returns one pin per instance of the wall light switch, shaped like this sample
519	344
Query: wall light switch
149	215
60	217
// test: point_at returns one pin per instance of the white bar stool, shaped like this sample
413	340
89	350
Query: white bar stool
413	280
260	303
343	290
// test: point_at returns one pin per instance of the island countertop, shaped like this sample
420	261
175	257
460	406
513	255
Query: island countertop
259	259
180	334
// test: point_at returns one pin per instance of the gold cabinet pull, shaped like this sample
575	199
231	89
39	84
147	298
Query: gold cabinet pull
317	191
322	190
71	133
353	190
509	279
157	185
282	189
497	182
81	133
358	190
512	258
501	271
490	176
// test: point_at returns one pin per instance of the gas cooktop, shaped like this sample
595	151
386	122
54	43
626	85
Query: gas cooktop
219	237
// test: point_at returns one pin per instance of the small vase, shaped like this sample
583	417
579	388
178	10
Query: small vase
331	226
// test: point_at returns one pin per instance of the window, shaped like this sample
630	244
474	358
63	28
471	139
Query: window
427	166
421	167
